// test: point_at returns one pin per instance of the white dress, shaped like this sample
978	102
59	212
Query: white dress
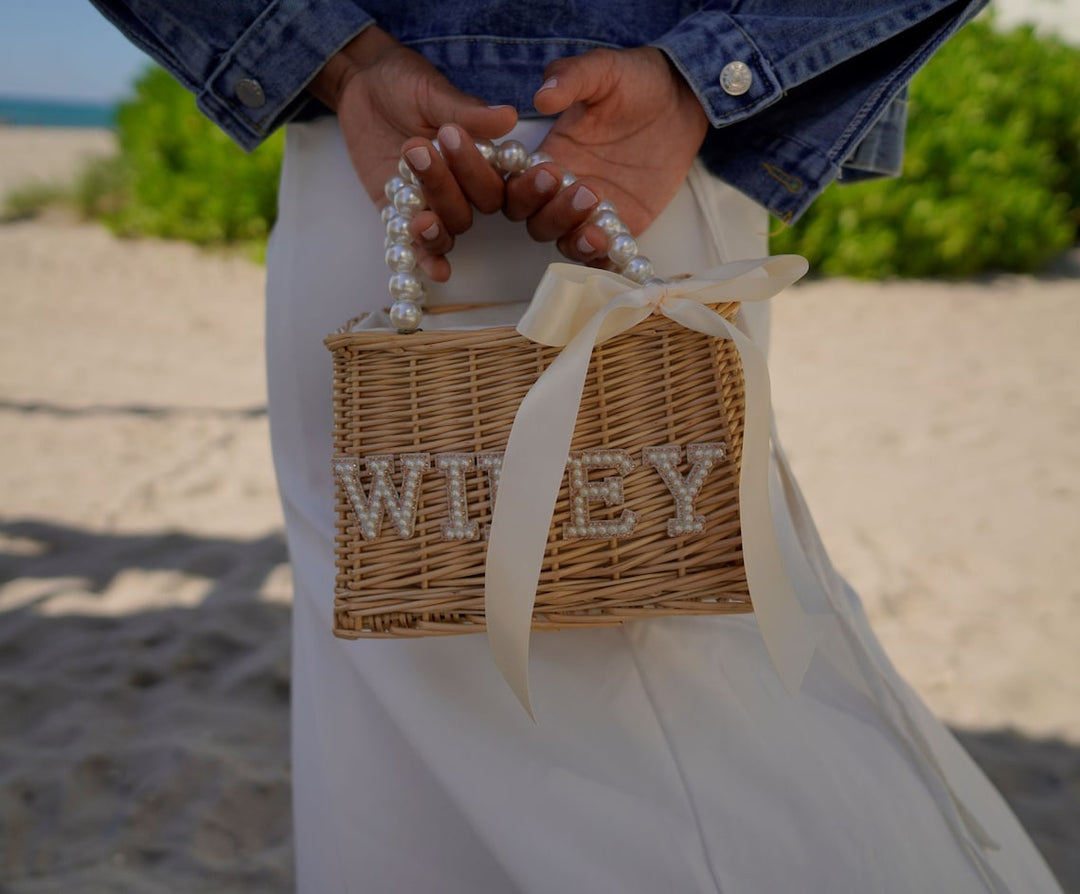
669	757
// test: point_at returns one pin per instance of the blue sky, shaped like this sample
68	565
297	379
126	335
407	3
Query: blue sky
63	49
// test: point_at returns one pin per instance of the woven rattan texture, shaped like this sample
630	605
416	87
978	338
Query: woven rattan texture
457	392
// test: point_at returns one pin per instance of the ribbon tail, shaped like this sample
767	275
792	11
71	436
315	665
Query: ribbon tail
528	491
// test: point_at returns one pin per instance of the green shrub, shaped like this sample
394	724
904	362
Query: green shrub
180	177
991	172
100	190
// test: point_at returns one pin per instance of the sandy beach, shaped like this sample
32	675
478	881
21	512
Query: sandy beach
144	586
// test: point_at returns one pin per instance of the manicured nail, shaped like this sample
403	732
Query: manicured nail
431	232
449	137
548	84
496	108
584	247
583	198
419	158
544	182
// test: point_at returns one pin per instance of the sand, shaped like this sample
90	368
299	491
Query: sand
144	590
47	154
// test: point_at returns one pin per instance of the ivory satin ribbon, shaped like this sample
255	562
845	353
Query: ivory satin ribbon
577	308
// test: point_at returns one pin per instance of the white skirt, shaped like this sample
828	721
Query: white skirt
669	757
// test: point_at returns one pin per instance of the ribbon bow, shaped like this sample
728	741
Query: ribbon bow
577	308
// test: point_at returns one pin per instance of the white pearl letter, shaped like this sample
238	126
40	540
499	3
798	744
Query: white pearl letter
684	490
583	492
384	497
457	526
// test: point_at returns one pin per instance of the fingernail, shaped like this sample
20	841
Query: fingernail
544	182
548	84
584	247
496	108
419	158
583	198
431	232
449	137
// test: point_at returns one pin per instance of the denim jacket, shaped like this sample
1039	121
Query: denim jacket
798	92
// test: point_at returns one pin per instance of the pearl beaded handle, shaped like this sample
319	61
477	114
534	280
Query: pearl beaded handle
508	157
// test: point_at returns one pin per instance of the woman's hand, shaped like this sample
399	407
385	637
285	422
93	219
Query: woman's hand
384	94
629	129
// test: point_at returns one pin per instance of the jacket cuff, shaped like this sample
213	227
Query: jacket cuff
723	66
260	82
880	153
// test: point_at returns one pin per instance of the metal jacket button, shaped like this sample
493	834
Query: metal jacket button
250	93
736	78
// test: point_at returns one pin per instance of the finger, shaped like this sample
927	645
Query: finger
450	105
432	242
583	78
527	193
565	212
435	265
587	244
477	179
485	122
441	189
429	233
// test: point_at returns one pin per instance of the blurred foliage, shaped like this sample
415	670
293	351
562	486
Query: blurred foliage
100	190
31	199
991	171
178	176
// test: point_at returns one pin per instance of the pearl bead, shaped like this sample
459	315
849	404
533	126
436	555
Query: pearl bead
655	281
537	158
639	269
604	207
393	185
405	316
406	287
407	174
401	258
609	223
622	248
486	148
408	200
568	179
510	157
387	212
397	230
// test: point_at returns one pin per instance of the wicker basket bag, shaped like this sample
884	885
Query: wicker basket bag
646	521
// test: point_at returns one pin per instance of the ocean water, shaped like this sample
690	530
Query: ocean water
55	113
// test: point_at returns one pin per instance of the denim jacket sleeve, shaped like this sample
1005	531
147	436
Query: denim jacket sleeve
798	92
802	92
246	61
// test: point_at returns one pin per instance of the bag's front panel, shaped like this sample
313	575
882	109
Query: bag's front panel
647	518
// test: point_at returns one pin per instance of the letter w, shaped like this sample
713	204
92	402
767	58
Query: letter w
383	498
